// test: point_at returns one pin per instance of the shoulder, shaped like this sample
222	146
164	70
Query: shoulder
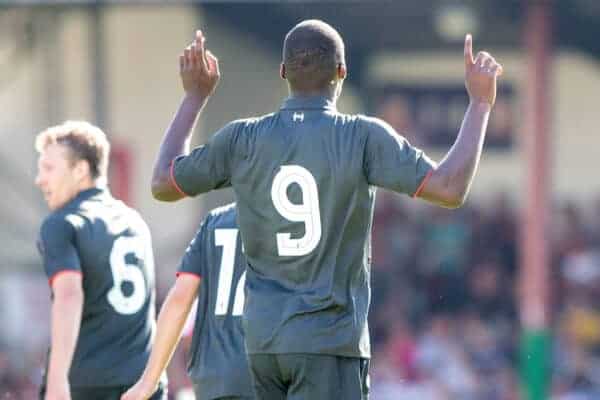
60	222
248	125
222	217
257	120
374	124
218	218
116	215
135	219
241	131
380	131
363	124
248	122
343	118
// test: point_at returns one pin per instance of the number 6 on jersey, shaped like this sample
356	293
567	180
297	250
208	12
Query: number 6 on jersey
122	271
307	212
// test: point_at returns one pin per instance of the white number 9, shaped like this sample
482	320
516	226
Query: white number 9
307	212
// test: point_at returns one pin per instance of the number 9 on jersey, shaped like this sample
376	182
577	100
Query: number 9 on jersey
306	212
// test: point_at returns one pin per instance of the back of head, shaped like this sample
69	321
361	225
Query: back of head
84	141
312	51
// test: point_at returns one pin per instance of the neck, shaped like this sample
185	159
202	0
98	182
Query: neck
329	93
87	184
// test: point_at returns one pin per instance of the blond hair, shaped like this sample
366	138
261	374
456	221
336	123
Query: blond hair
85	142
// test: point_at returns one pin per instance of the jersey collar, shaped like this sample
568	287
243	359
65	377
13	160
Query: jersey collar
87	193
308	103
84	195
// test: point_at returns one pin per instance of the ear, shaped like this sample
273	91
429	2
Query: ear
341	71
282	70
82	170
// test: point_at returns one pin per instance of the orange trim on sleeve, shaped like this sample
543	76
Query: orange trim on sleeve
178	274
422	185
64	271
172	178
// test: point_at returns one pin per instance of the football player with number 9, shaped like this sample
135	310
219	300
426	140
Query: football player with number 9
304	178
97	254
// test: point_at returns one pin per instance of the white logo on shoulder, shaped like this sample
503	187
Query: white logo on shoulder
298	117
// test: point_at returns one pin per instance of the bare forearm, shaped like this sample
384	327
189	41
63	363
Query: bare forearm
65	320
462	160
176	141
450	182
171	321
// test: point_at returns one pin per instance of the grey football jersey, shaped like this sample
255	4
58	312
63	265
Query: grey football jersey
218	365
304	180
110	245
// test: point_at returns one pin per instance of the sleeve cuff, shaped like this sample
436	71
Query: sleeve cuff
179	273
422	185
64	271
172	178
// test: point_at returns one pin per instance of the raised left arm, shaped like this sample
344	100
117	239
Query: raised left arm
449	183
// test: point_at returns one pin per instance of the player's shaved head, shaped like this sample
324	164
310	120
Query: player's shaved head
312	52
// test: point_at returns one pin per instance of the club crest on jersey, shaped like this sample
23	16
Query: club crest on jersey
298	117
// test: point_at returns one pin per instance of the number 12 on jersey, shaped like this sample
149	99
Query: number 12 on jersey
227	239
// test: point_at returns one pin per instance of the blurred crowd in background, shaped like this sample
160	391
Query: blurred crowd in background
450	281
444	317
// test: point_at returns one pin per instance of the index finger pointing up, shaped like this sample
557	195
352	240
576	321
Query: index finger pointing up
201	51
469	50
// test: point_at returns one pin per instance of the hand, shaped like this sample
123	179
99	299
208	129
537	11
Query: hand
140	391
58	390
199	68
480	74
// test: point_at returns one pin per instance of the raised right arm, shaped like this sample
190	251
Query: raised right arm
175	142
199	71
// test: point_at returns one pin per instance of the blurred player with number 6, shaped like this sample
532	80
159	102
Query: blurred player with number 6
97	254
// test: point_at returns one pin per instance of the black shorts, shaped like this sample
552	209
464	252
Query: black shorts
105	392
309	376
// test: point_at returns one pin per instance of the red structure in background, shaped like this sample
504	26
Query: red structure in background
535	257
120	173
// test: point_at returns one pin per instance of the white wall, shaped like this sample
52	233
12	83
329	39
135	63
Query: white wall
142	88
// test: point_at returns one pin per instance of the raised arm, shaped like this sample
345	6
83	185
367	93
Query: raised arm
199	71
171	320
448	184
